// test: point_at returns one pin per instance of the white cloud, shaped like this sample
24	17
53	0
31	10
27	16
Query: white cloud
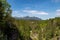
27	12
35	12
17	13
58	12
55	0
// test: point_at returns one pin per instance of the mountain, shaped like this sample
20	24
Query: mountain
28	18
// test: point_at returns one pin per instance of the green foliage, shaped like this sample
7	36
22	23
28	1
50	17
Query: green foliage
46	29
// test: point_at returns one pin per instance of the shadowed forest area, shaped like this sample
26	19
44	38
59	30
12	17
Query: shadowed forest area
19	29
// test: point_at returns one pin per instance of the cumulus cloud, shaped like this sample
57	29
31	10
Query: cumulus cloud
35	12
58	12
26	12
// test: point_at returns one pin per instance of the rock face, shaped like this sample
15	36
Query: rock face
28	18
34	36
58	38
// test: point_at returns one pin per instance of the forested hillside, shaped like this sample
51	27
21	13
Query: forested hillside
20	29
40	30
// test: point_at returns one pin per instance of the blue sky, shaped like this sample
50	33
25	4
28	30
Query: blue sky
43	9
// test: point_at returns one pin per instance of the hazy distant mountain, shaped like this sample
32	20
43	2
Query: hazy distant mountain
28	18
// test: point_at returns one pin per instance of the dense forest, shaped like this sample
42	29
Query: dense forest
19	29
